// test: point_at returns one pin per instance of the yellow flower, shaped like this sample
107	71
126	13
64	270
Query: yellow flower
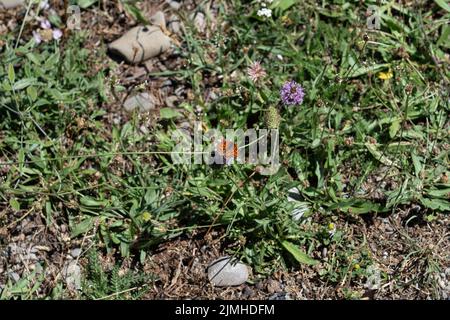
286	20
357	267
146	216
331	226
385	75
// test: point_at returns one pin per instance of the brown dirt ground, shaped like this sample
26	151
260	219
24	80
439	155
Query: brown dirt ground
403	251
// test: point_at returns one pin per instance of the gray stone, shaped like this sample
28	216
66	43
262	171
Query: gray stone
199	21
9	4
176	5
72	275
158	19
225	272
144	129
140	44
75	252
171	101
142	101
174	24
14	276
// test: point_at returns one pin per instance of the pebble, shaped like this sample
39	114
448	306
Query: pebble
174	24
324	252
72	275
225	272
140	44
14	276
9	4
199	21
75	252
144	101
175	5
158	19
143	129
170	101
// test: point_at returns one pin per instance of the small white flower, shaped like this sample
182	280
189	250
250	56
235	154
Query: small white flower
264	12
280	57
57	34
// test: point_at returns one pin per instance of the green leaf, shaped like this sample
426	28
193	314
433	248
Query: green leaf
11	74
299	255
443	4
439	193
89	202
283	4
21	158
417	162
86	3
32	93
168	113
379	155
436	204
363	70
393	129
83	227
14	204
315	143
135	13
23	83
444	39
357	206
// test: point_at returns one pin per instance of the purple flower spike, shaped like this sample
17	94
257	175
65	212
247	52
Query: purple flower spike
292	93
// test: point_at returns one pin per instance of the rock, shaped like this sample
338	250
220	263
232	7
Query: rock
144	101
144	129
225	272
72	275
174	24
140	44
199	21
14	276
174	4
158	19
75	252
171	101
9	4
301	207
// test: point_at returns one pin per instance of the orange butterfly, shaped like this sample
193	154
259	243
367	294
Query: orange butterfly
227	149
